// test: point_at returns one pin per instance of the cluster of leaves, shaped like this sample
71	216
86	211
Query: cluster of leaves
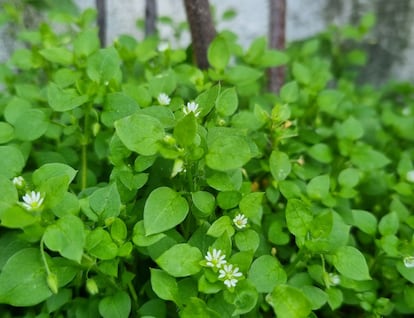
139	192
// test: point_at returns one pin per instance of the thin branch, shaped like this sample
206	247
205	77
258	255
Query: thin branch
101	8
201	27
150	17
277	31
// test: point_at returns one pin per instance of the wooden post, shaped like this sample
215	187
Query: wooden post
101	8
277	30
201	27
150	17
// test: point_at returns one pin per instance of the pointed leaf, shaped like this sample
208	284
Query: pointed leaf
351	263
164	209
181	260
67	237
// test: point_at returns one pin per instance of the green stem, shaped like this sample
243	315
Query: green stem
299	257
133	292
42	252
84	143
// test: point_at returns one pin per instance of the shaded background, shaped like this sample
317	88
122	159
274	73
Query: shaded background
390	45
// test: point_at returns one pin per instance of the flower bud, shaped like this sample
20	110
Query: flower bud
52	282
92	287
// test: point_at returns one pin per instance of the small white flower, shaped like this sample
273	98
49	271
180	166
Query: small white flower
32	200
334	279
215	259
230	275
409	261
18	181
191	107
410	176
240	221
163	99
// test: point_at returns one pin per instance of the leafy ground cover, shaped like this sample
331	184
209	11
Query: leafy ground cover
133	184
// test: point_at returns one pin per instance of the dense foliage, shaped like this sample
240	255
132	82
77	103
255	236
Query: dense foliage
134	184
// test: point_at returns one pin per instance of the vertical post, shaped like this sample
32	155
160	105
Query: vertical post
150	17
201	27
277	31
101	8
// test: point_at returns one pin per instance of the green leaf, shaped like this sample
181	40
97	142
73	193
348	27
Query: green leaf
329	100
153	308
319	235
6	132
335	298
251	205
67	237
299	218
218	53
389	224
247	240
227	151
280	165
256	50
53	179
265	273
227	102
315	295
185	130
350	129
164	285
140	133
318	187
141	239
57	55
204	201
289	92
225	181
321	153
163	210
119	230
30	125
195	307
351	263
99	244
242	75
406	272
162	83
365	221
220	226
367	158
62	100
15	108
272	58
207	100
15	216
301	73
117	305
86	42
180	260
244	297
106	202
12	162
23	279
349	177
289	302
117	106
8	191
104	65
